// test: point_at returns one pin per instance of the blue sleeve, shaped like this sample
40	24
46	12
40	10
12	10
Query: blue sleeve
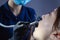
32	14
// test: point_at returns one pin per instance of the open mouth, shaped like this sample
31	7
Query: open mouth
57	35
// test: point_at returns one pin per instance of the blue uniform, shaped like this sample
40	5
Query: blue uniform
8	18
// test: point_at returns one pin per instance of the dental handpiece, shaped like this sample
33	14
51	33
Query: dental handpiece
21	23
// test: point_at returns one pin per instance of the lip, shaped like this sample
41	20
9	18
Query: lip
57	35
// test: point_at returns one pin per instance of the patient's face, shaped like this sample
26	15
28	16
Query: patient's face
45	25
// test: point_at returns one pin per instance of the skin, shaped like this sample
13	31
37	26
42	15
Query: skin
14	8
55	35
44	28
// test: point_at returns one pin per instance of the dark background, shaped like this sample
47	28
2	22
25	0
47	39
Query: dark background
41	6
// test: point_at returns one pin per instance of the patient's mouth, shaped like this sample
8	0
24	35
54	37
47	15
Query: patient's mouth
57	35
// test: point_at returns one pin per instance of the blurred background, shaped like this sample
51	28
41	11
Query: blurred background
41	6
